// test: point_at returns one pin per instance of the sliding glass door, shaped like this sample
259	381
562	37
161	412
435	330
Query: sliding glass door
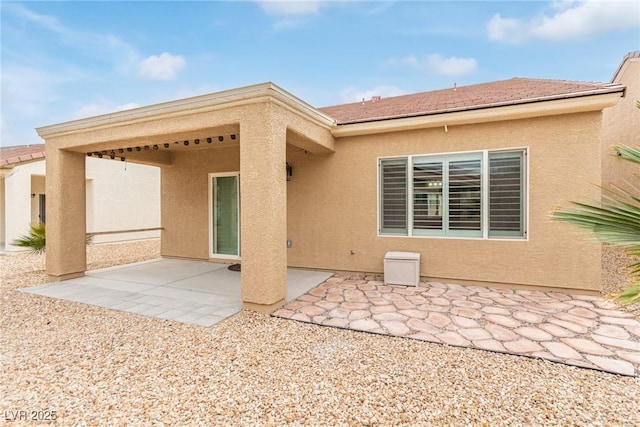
224	226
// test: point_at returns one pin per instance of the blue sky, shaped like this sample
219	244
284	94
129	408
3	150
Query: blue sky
70	60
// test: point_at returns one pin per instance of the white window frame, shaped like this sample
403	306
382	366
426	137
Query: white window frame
210	221
484	195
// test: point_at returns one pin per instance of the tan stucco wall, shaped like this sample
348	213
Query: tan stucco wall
332	205
184	189
621	126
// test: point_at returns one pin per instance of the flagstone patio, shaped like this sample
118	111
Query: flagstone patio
579	330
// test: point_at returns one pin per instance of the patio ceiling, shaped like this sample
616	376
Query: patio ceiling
151	134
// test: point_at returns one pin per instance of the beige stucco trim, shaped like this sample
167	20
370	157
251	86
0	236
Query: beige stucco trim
248	95
486	115
263	308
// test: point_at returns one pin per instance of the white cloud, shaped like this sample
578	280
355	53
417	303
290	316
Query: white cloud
97	109
198	90
26	90
46	21
452	66
354	94
437	64
291	7
94	44
566	20
504	29
161	67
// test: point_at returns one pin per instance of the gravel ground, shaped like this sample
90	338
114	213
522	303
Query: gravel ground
615	274
101	367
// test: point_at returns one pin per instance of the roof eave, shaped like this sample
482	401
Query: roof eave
493	113
610	89
214	101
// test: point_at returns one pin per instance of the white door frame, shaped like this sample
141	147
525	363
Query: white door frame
211	224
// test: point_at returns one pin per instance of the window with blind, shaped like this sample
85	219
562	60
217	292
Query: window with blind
506	201
393	200
479	194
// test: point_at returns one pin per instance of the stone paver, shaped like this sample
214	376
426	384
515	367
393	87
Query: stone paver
579	330
561	350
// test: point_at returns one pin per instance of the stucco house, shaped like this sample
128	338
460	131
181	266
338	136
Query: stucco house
465	176
119	197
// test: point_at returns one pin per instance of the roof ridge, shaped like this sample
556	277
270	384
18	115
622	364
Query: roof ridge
455	87
516	90
589	82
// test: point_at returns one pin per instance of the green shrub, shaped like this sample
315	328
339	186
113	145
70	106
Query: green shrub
34	240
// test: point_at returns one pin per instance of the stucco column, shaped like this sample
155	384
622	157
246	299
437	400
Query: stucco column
66	214
263	209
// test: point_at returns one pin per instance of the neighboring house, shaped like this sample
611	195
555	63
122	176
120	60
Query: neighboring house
466	176
118	196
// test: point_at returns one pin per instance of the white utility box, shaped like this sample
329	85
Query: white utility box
402	268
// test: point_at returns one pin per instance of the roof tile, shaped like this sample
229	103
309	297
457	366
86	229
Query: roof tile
484	95
20	154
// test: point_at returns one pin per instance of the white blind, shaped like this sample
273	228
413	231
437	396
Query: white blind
393	175
506	194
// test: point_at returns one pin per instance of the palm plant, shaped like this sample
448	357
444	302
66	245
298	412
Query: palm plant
614	220
34	240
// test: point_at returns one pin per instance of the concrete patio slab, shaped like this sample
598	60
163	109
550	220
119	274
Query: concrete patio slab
196	292
579	330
